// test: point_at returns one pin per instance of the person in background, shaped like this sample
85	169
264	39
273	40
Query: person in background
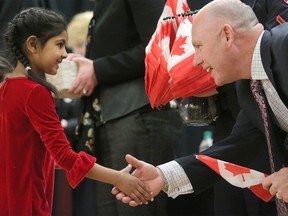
66	200
32	139
77	32
68	109
117	116
239	41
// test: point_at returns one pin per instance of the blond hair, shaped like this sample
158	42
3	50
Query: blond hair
78	28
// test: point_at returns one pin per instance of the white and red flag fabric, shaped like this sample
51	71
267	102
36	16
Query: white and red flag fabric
238	176
157	52
186	79
169	72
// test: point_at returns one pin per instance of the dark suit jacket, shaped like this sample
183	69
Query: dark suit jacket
122	30
248	137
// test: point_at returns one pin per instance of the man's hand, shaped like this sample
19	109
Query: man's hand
133	186
277	184
147	173
86	80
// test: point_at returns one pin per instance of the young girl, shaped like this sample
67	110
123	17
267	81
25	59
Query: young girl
31	137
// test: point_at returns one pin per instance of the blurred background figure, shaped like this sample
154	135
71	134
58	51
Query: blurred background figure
117	117
77	32
68	110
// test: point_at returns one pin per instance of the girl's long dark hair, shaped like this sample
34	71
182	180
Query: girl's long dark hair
40	22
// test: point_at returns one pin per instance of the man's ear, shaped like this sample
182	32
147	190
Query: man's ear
32	44
229	34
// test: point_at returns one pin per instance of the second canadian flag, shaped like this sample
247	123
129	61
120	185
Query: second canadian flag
238	176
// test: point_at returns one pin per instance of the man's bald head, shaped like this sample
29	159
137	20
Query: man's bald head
232	12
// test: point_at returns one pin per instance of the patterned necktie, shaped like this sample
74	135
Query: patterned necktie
258	94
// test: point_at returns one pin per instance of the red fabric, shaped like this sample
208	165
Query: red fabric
30	137
169	70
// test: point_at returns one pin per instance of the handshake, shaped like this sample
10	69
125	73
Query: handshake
146	181
151	176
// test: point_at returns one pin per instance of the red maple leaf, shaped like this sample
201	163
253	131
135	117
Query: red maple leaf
167	30
185	7
169	3
177	47
236	170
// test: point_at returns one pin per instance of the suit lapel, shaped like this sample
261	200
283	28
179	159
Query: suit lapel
272	65
266	55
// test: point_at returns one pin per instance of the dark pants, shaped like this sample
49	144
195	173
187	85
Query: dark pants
188	205
150	136
230	200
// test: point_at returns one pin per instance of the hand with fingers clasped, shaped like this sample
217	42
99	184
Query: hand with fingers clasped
135	188
277	184
86	80
147	173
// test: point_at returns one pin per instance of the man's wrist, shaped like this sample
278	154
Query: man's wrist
165	188
165	182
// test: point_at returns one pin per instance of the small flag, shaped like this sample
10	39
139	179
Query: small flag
157	52
238	176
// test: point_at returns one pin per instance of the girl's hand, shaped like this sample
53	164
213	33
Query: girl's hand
133	187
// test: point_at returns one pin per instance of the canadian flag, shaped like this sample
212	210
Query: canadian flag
169	70
157	52
238	176
186	79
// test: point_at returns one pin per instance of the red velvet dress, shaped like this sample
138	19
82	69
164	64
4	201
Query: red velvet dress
31	142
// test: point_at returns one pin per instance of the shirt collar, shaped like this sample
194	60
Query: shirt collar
257	69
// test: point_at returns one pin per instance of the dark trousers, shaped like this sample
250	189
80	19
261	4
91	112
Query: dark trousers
230	200
151	136
188	205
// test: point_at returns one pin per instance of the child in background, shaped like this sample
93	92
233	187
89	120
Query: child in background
32	138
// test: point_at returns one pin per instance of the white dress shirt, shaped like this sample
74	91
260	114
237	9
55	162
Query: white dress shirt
177	180
258	73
